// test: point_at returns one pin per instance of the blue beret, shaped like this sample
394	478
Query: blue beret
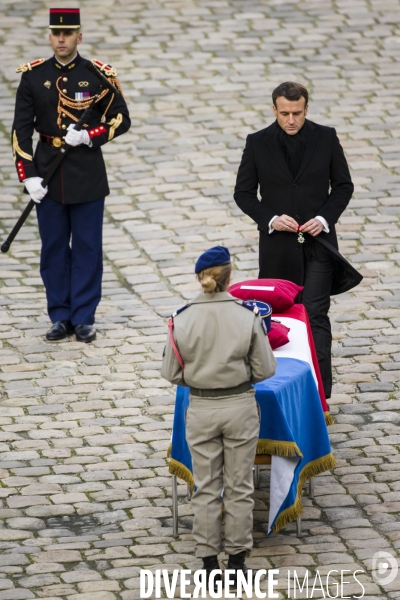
212	258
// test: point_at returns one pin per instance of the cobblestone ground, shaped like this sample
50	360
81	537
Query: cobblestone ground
85	494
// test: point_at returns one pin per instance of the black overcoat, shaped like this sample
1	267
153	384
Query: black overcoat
82	175
322	187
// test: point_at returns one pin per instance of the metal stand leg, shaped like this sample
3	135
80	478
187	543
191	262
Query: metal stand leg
174	507
189	493
298	526
257	476
311	489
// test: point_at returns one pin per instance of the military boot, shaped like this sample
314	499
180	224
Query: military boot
210	563
236	563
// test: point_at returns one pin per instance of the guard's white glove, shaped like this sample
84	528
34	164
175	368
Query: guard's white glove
76	138
35	189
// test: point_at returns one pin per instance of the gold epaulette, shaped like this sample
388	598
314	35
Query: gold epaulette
108	70
23	67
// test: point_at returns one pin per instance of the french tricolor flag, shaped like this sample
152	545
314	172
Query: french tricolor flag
301	347
301	342
289	473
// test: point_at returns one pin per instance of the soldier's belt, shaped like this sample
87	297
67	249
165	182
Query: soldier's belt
51	140
215	393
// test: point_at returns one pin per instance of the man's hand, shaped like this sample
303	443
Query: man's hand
285	223
35	189
312	227
76	138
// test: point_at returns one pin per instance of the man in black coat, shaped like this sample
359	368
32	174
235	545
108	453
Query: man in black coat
305	185
51	97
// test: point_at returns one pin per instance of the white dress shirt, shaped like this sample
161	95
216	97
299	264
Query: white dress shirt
323	221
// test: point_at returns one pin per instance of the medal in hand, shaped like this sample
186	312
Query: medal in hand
300	236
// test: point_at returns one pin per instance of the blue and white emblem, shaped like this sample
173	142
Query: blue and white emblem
260	308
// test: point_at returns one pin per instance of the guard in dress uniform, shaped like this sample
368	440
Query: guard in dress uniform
51	97
218	348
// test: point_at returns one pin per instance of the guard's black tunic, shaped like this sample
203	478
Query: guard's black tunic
39	106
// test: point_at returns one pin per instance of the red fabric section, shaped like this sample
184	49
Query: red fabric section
278	335
95	131
281	298
174	348
298	311
64	10
102	66
21	170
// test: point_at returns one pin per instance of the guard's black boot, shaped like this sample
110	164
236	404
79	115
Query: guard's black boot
210	563
236	563
85	333
59	331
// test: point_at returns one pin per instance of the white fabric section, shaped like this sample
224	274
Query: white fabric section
35	189
324	223
282	473
266	288
298	343
270	228
68	63
76	138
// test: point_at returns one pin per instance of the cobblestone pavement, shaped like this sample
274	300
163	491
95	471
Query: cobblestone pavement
85	494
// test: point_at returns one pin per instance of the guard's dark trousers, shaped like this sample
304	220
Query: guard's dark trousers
71	263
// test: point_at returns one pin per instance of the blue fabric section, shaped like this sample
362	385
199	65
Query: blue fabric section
289	403
290	409
179	310
71	260
218	255
180	449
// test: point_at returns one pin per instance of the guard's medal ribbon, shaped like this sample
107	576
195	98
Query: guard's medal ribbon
300	236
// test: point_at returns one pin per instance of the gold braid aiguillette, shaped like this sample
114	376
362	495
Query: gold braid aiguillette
65	101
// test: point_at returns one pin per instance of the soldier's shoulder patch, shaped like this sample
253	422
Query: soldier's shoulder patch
262	309
249	305
108	70
24	67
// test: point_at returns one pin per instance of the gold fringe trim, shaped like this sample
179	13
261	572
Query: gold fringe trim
329	420
169	450
313	468
178	469
278	448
